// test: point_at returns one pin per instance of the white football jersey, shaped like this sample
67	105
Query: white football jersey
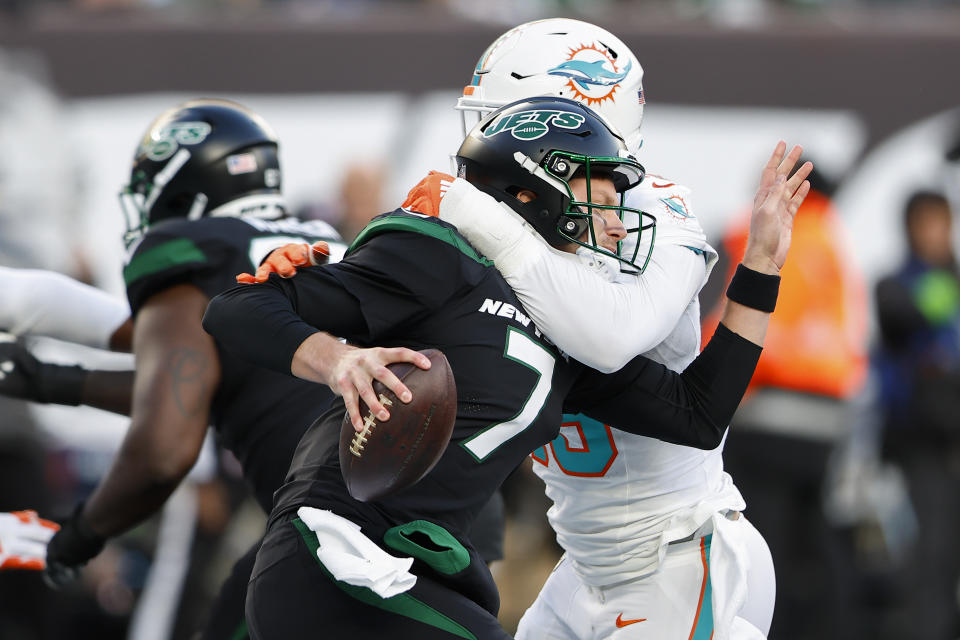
619	498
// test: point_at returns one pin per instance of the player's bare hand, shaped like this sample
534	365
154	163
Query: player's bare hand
285	260
353	375
350	371
779	196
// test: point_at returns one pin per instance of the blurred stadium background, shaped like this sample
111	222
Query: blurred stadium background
361	94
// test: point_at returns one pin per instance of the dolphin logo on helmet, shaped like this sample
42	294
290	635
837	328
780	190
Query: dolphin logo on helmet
587	74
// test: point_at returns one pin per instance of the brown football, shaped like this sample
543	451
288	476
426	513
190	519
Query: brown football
392	455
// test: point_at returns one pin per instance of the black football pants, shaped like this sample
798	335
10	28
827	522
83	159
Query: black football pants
291	595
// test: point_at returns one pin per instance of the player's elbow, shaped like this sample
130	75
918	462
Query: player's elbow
705	434
169	462
173	467
216	316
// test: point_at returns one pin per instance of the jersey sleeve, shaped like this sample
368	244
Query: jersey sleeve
692	408
390	281
399	277
605	324
600	318
175	253
35	302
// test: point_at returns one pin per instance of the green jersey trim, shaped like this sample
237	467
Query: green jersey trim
453	558
418	225
402	604
161	257
241	632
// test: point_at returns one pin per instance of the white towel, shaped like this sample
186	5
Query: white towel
353	558
729	564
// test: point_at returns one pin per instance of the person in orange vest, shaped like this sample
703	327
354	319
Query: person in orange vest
798	408
816	342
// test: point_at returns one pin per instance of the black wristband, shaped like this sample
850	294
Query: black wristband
61	384
754	289
76	542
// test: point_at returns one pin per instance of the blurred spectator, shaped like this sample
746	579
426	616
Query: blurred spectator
799	408
918	363
361	198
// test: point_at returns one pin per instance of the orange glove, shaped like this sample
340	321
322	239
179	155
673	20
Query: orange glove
425	197
23	540
285	260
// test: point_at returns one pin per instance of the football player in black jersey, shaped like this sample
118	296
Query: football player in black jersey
203	203
411	281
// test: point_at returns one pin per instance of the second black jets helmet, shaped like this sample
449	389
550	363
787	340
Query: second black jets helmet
540	144
203	157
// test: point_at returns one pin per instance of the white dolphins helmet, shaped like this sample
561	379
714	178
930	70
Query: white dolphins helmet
559	57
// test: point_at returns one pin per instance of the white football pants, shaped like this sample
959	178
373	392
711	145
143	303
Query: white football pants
674	603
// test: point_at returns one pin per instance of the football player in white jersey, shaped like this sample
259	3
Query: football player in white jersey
655	540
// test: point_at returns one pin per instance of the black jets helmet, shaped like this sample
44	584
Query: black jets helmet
539	145
201	158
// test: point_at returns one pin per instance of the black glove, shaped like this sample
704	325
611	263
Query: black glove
70	548
23	376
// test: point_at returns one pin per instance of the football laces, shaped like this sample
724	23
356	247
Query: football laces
369	422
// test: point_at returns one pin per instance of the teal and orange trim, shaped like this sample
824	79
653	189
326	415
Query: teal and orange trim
703	620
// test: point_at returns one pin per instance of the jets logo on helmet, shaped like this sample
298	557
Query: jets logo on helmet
164	142
553	141
592	73
205	157
533	124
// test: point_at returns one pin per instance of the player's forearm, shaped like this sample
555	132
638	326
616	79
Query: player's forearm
692	408
27	378
315	357
154	458
50	304
570	301
109	390
605	324
751	297
258	324
132	492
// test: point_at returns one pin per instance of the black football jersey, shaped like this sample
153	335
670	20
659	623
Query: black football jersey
414	291
259	414
413	281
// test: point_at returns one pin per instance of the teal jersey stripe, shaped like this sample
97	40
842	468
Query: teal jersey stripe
402	604
163	256
703	625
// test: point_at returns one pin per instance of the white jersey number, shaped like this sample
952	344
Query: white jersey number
519	348
584	448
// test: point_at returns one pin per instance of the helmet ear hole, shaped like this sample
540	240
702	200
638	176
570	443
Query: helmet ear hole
572	227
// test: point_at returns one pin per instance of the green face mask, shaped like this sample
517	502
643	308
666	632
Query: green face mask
577	223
